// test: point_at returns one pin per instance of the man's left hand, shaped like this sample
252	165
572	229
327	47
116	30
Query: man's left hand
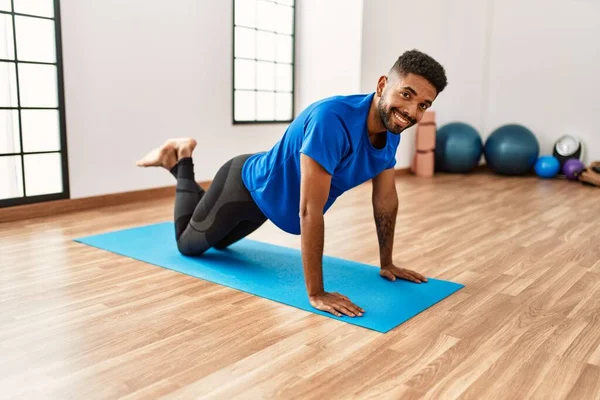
391	272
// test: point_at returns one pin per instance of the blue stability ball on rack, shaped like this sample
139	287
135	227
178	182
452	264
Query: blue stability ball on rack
511	150
458	148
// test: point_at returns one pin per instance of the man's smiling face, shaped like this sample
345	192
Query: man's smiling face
403	100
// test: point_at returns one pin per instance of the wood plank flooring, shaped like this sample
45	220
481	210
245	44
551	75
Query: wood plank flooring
77	322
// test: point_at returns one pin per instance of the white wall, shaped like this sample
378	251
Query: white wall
451	32
328	49
141	71
544	65
507	61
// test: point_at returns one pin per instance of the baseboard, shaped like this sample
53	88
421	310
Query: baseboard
407	171
51	208
403	171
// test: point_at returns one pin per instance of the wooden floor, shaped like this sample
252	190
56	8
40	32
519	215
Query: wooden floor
77	322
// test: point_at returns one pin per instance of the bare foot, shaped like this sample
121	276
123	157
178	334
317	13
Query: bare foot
164	156
184	147
168	154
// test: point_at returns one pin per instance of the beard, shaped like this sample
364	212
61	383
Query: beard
387	117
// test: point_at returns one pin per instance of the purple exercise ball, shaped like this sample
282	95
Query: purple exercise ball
572	168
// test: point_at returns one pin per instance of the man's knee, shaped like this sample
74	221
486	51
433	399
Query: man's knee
222	246
191	248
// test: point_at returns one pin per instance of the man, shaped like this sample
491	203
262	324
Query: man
334	145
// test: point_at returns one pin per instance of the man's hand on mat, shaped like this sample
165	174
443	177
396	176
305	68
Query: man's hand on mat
391	272
336	304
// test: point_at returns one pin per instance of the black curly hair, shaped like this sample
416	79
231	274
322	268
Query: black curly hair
418	63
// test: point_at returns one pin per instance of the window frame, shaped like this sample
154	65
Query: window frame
293	64
66	191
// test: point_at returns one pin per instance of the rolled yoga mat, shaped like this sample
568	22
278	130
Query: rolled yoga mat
276	273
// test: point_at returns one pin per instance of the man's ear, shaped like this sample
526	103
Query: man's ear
381	85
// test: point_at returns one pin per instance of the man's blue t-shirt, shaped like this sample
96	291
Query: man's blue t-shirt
333	132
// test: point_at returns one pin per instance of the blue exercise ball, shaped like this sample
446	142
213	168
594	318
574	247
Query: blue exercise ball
511	150
458	148
547	166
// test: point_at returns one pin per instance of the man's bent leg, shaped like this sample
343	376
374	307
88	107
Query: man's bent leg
239	232
199	189
225	214
187	196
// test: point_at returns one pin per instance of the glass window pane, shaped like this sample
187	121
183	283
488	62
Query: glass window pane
41	130
5	5
11	177
7	44
42	8
265	106
9	132
8	83
245	13
37	84
266	15
35	39
268	82
265	76
245	74
284	21
284	48
266	46
284	78
43	174
245	43
245	106
283	106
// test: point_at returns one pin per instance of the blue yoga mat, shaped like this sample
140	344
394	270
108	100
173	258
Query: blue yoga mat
276	273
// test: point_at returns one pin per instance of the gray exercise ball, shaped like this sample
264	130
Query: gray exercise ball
511	150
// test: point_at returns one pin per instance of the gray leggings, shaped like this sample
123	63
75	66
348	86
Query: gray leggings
215	218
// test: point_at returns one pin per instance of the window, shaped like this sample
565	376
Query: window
33	159
263	60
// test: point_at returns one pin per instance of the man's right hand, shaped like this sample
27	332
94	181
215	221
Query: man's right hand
336	304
